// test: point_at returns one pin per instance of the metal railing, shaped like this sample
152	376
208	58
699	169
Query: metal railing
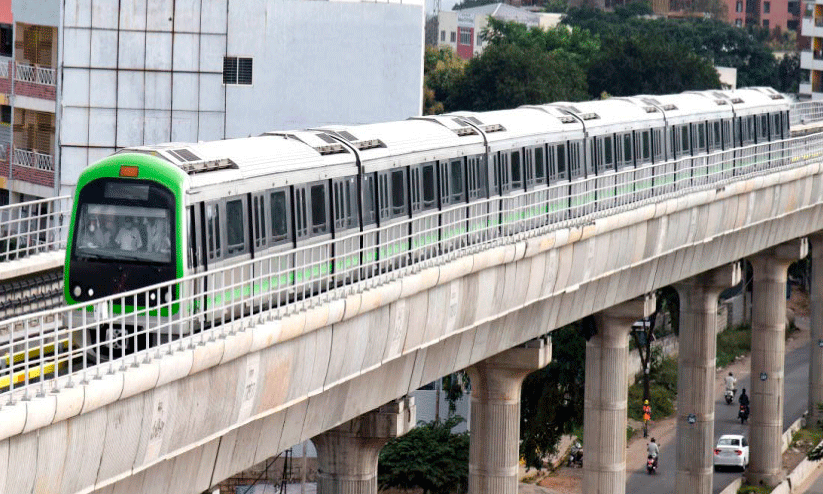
35	74
50	350
33	227
806	112
4	67
33	159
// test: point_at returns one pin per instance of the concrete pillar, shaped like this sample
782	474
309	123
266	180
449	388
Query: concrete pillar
768	355
606	396
495	416
816	333
696	375
347	454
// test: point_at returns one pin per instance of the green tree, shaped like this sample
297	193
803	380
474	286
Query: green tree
441	68
429	457
789	73
506	76
647	65
552	397
578	45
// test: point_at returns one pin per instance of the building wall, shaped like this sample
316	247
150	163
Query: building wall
40	12
153	72
447	23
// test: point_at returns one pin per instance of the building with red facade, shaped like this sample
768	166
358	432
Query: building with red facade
771	14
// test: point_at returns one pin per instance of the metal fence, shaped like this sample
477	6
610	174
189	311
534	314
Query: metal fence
806	112
33	159
34	74
33	227
51	350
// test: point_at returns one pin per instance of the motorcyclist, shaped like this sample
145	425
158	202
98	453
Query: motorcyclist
744	398
731	382
653	450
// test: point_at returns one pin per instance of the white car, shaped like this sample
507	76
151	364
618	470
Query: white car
732	450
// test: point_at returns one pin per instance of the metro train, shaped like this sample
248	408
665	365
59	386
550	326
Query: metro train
150	214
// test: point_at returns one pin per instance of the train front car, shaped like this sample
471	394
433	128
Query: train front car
124	235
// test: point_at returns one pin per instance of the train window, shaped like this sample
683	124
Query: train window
345	203
301	214
645	146
235	227
457	187
658	150
319	209
383	192
575	160
776	128
747	130
684	139
213	231
715	136
398	193
368	191
701	136
423	187
561	170
192	239
625	150
539	166
763	128
502	178
728	137
280	217
605	154
516	170
258	209
478	174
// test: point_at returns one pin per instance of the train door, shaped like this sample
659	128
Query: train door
312	226
605	166
346	245
272	240
368	215
643	164
537	194
227	247
392	205
700	169
452	204
624	179
511	185
424	192
582	192
477	173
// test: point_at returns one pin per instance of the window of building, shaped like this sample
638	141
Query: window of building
465	36
794	8
738	22
5	114
6	39
478	40
767	7
237	70
793	25
739	6
454	37
442	36
765	23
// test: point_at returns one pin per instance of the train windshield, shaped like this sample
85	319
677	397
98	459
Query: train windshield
123	223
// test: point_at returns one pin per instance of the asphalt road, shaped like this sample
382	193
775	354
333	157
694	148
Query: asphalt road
795	398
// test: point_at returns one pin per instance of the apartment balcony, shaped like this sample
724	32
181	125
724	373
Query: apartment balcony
811	61
812	28
34	82
805	89
32	166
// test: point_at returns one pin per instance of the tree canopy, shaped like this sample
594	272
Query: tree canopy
429	457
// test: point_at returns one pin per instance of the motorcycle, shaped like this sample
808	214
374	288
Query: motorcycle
576	457
729	395
743	413
651	464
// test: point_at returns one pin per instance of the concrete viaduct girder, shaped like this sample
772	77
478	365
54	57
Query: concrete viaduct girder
193	418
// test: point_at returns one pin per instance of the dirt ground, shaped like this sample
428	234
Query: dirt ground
567	480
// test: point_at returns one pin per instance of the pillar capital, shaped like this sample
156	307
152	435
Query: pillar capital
699	293
621	316
772	263
495	415
347	454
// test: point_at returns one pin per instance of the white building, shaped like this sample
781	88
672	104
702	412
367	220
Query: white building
812	59
93	76
461	29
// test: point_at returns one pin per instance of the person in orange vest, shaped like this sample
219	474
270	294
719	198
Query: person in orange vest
647	415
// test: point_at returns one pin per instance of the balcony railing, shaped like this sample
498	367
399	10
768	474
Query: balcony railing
33	159
4	67
34	74
33	227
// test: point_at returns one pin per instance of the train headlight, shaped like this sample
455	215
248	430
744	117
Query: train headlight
152	296
167	296
91	292
77	291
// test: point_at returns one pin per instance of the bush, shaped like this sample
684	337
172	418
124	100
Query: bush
733	343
